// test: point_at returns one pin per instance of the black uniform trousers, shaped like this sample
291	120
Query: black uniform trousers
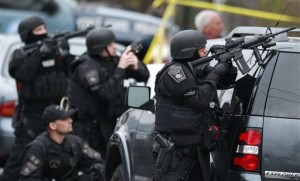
96	132
189	163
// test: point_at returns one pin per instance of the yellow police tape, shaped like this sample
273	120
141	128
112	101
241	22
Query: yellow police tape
157	3
158	38
157	41
238	10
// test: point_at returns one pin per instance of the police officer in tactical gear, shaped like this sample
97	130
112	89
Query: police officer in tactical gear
96	87
58	155
182	106
41	79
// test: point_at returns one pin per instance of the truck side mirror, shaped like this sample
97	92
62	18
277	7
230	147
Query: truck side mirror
137	96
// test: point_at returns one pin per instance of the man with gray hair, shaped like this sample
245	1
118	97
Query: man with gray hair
209	23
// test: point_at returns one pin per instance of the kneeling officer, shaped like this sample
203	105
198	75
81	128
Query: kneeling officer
58	155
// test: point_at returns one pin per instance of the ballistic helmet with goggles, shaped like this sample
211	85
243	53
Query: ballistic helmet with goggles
98	39
184	44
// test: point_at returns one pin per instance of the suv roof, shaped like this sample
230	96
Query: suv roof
242	31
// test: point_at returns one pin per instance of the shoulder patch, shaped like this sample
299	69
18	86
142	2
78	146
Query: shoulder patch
34	160
92	77
28	168
176	72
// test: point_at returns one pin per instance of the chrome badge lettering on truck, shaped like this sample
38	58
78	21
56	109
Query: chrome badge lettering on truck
282	175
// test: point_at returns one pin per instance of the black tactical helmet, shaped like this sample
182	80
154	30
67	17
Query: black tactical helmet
27	25
98	39
185	43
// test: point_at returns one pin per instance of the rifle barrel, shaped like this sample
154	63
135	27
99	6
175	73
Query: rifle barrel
263	38
282	31
79	33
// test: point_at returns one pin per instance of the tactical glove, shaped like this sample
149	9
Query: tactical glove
63	47
202	70
47	47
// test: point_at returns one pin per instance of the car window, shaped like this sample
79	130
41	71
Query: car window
284	94
237	99
260	93
234	100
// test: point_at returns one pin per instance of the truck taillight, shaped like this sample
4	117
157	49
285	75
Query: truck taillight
247	162
250	137
7	108
247	156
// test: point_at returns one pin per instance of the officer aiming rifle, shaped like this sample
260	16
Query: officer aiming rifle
47	45
233	50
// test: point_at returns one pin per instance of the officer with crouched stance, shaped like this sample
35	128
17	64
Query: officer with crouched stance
183	99
58	155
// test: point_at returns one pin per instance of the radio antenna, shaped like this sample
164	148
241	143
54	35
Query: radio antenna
287	4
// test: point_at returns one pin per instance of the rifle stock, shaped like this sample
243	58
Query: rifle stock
200	61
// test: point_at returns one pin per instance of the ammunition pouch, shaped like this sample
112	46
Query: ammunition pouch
184	124
177	119
185	120
48	85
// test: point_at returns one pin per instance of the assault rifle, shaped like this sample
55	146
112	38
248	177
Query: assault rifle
233	50
58	38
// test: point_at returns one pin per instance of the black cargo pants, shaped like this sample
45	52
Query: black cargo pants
188	163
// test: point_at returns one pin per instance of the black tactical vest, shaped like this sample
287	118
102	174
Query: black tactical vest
48	85
185	125
60	160
83	98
